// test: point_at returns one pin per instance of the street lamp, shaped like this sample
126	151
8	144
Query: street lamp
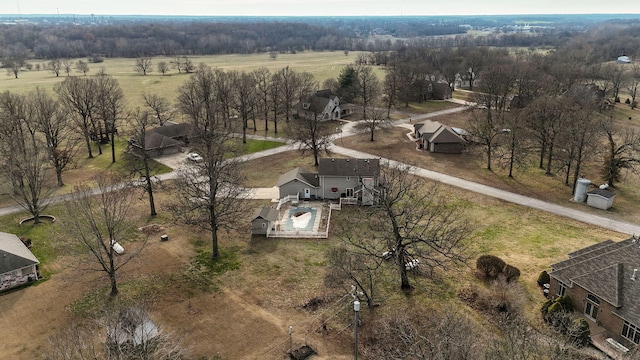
356	308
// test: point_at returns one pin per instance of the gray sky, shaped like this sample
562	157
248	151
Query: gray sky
317	7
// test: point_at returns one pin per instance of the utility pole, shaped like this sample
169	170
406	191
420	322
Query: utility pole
356	309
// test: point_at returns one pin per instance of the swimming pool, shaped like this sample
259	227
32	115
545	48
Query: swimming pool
300	219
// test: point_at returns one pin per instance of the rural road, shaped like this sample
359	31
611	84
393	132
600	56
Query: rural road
348	129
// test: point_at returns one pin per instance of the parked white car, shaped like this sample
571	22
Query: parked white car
195	157
117	247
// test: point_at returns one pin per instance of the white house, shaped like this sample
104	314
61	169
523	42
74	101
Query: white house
17	264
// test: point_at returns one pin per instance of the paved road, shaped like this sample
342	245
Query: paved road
348	129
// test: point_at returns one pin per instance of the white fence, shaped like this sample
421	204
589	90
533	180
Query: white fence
295	199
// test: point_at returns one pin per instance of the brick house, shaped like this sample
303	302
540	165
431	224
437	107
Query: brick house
603	283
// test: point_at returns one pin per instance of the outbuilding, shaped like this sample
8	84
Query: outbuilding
600	198
17	264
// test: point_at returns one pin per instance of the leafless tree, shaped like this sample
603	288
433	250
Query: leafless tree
210	192
633	83
159	106
163	67
67	66
347	267
274	97
245	100
417	225
143	65
262	79
445	334
141	122
178	63
54	123
23	154
78	96
622	153
109	109
97	216
311	134
55	66
83	67
14	59
375	119
293	87
369	90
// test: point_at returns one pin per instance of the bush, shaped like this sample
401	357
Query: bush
627	101
543	278
579	332
617	99
490	266
511	273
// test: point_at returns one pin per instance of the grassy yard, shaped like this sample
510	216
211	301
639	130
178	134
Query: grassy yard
322	65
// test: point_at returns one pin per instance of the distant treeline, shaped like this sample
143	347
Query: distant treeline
48	40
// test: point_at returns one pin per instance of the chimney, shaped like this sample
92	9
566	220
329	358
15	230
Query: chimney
633	277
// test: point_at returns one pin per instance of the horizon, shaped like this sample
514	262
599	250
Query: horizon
313	8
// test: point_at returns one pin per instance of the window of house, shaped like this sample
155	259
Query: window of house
591	307
631	332
562	288
348	178
264	225
349	192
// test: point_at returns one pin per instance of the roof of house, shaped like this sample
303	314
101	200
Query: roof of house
446	135
298	174
348	167
174	130
14	254
427	126
154	140
602	192
266	213
606	270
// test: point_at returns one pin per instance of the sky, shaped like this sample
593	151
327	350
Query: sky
317	7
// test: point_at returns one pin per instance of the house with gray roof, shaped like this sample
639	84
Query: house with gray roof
435	137
323	105
263	220
167	139
603	283
356	179
17	264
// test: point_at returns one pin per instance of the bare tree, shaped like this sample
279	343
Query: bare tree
98	216
56	126
159	106
633	83
67	66
405	334
312	134
163	67
23	154
142	121
262	79
417	226
368	90
143	65
55	66
83	67
14	59
78	96
622	152
109	109
244	100
210	192
178	63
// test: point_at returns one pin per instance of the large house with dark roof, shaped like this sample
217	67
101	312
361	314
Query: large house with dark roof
17	264
603	282
356	179
323	105
163	140
435	137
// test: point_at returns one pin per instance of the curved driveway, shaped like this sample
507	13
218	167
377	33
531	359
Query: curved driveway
349	129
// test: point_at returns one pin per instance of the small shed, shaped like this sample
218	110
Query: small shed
263	220
600	198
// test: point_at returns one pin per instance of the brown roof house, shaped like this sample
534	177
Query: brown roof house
603	282
163	140
17	264
324	104
438	138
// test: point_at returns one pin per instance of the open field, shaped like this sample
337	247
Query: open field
322	65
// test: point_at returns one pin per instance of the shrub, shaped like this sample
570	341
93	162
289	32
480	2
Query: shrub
511	273
579	332
617	99
490	266
543	278
627	101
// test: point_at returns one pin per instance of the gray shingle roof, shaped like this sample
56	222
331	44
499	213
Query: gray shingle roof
605	270
349	167
445	135
266	212
14	254
298	174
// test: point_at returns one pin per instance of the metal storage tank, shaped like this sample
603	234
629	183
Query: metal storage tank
582	186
